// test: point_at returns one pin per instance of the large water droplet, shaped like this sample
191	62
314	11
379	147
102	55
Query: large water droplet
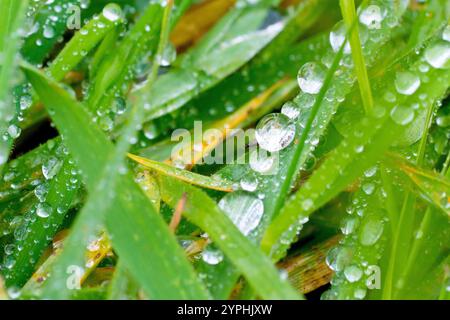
48	32
249	183
353	273
168	56
438	55
212	256
291	110
371	231
244	209
402	115
372	16
338	258
349	225
263	162
51	168
311	77
112	12
43	210
274	132
14	131
337	37
406	83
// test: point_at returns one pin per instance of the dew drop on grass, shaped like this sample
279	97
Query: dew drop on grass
168	56
337	37
402	115
13	293
311	77
249	183
262	162
305	101
368	188
371	231
212	256
48	32
353	273
406	83
244	209
43	210
338	258
291	110
349	225
14	131
307	204
275	132
112	12
41	192
372	16
438	55
443	121
360	293
9	249
150	130
51	168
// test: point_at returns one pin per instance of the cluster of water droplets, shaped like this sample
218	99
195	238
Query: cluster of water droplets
357	256
36	206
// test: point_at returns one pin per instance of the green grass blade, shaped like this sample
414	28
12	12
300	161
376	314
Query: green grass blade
350	18
186	176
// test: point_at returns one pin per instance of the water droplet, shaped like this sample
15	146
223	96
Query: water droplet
443	121
212	256
51	168
150	130
13	293
337	37
337	258
360	293
43	210
244	209
14	131
48	32
438	55
291	110
353	273
349	225
168	56
274	132
372	16
371	231
305	101
249	183
311	77
406	83
41	192
263	162
368	188
112	12
307	204
402	115
25	102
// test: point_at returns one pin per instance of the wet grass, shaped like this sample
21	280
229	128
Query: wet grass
349	98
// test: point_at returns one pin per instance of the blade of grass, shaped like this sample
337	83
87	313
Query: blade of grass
350	18
187	176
